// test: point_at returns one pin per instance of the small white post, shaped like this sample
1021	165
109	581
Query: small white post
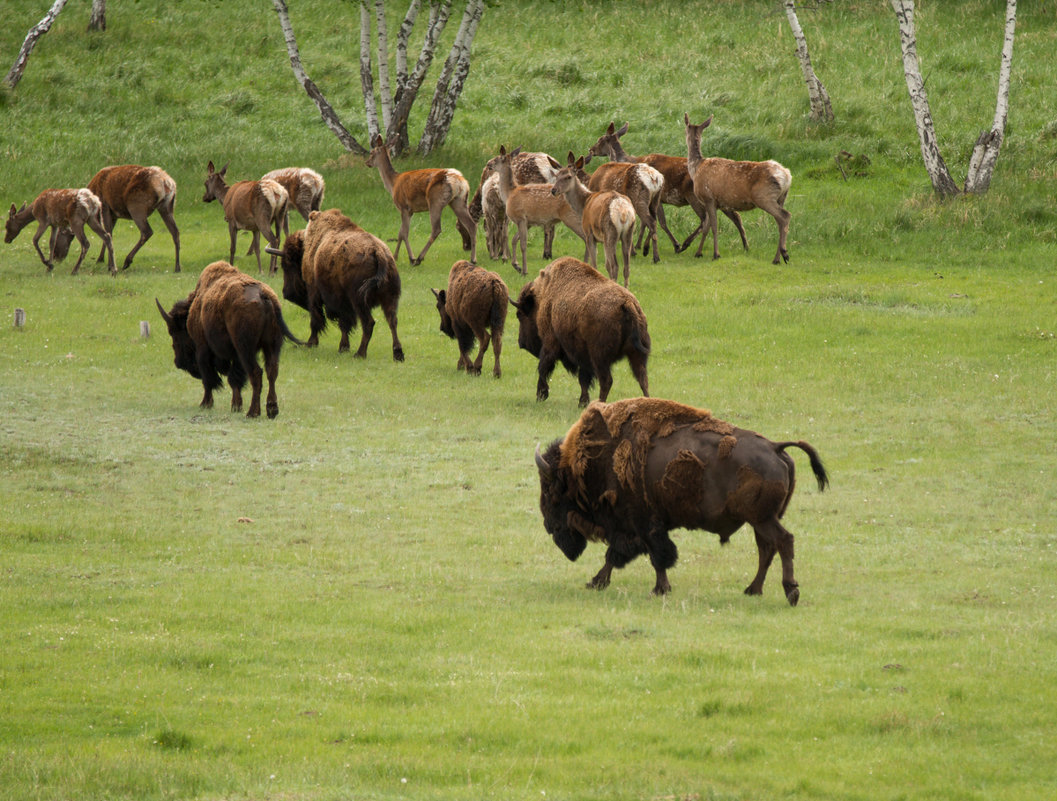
144	329
20	318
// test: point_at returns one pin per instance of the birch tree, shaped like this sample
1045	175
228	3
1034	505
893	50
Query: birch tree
394	95
821	109
37	31
97	20
985	154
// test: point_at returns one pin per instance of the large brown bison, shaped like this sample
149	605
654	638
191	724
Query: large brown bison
219	328
629	472
336	270
573	314
473	305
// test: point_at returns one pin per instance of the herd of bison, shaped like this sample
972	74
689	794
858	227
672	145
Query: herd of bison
626	473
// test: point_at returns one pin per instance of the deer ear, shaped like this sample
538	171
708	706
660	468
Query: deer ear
611	128
515	151
580	163
623	130
13	211
224	169
211	169
586	159
502	150
707	122
686	118
570	159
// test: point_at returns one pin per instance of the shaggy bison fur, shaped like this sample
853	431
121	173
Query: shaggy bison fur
473	305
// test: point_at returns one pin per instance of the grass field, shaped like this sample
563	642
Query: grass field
358	600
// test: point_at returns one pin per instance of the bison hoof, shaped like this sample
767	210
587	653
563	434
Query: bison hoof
273	411
792	593
398	354
753	590
597	584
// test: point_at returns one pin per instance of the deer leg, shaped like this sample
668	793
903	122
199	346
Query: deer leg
36	243
78	232
469	227
548	240
736	219
590	250
108	224
625	242
96	224
145	233
405	228
522	232
434	232
663	221
166	213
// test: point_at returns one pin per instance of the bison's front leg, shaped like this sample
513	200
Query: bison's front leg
601	579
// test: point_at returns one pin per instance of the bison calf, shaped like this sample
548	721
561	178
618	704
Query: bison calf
628	472
474	303
219	328
573	314
334	269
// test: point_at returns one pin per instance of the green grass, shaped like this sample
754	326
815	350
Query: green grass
358	599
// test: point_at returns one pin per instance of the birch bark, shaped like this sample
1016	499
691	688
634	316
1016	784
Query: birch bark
367	74
821	108
452	79
37	31
985	153
97	21
942	183
328	114
384	92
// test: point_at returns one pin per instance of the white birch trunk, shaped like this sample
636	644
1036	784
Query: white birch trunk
985	153
97	21
452	79
366	74
326	112
385	93
942	183
821	108
402	38
438	19
37	31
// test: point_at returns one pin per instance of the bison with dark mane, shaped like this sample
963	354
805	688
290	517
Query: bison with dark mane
336	270
629	472
573	314
474	306
218	330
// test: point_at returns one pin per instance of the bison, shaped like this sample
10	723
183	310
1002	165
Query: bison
334	269
628	472
219	328
474	303
574	314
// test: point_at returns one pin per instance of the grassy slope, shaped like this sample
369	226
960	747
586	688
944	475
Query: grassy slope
394	611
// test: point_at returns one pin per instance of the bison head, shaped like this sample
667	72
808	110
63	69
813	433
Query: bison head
295	289
442	308
561	516
528	337
183	346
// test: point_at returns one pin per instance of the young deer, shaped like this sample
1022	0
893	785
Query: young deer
59	209
132	192
608	216
530	204
643	186
305	188
678	185
254	206
425	190
737	185
527	168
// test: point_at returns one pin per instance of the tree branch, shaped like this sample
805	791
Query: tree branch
37	31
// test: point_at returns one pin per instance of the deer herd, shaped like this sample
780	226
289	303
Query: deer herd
517	190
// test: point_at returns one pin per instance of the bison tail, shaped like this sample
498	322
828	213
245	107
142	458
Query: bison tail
816	462
287	333
497	316
370	288
635	330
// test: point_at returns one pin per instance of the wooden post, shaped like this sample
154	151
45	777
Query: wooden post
144	329
20	318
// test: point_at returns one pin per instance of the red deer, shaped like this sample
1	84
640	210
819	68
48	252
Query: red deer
474	304
255	206
132	192
573	314
219	328
527	168
425	190
62	209
334	269
303	186
678	185
530	204
737	185
629	472
643	186
607	216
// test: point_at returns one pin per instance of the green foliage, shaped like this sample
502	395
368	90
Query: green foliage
358	599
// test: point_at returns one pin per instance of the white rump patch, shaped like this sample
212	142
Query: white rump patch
651	178
622	213
87	200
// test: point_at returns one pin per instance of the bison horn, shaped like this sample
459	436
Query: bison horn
164	315
273	251
514	303
542	463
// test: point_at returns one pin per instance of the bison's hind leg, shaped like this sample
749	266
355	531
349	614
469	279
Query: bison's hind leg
773	538
663	555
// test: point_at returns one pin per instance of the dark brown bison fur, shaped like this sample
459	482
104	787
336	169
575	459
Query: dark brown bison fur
218	330
573	314
336	270
628	472
474	304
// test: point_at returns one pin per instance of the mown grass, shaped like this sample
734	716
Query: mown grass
358	600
